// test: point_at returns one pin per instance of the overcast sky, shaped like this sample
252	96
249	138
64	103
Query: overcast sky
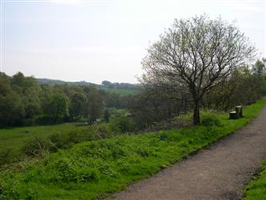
94	40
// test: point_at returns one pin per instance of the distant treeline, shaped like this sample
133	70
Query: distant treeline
23	101
125	86
105	84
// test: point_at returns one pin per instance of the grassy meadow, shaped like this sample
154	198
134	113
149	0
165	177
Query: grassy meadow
96	169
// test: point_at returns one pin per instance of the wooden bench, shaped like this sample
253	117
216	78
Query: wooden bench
237	113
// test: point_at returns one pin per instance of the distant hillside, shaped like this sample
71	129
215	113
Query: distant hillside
59	82
123	89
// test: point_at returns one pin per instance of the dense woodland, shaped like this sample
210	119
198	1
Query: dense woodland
23	101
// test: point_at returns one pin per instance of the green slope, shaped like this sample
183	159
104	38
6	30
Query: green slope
92	170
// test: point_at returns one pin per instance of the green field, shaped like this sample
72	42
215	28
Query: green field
256	190
92	170
13	140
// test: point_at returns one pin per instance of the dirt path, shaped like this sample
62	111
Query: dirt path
220	172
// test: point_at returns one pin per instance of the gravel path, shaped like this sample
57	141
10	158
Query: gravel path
220	172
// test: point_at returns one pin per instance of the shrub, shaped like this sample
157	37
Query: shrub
210	120
65	171
123	124
183	120
5	158
37	146
62	140
103	131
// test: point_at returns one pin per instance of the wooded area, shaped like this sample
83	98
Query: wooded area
194	56
25	102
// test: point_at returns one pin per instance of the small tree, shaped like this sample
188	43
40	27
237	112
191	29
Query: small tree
259	68
194	56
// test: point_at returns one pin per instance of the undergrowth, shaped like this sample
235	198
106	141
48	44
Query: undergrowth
92	170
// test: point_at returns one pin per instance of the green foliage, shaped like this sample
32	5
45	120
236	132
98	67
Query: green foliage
106	115
37	146
24	102
94	169
184	120
12	110
259	68
155	104
123	124
36	141
122	89
151	106
191	59
210	119
95	104
229	93
121	92
58	107
256	190
5	156
116	113
79	101
13	141
43	120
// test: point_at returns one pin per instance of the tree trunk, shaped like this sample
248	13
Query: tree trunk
196	114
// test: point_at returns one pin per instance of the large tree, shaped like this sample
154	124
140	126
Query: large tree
58	107
78	105
193	56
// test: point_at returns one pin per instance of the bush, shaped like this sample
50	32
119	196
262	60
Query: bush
62	140
64	171
122	124
5	158
210	120
184	120
37	146
103	131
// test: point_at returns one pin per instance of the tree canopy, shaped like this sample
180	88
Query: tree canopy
23	101
193	56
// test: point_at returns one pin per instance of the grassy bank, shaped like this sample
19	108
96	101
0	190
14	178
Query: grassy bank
256	189
95	169
13	141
